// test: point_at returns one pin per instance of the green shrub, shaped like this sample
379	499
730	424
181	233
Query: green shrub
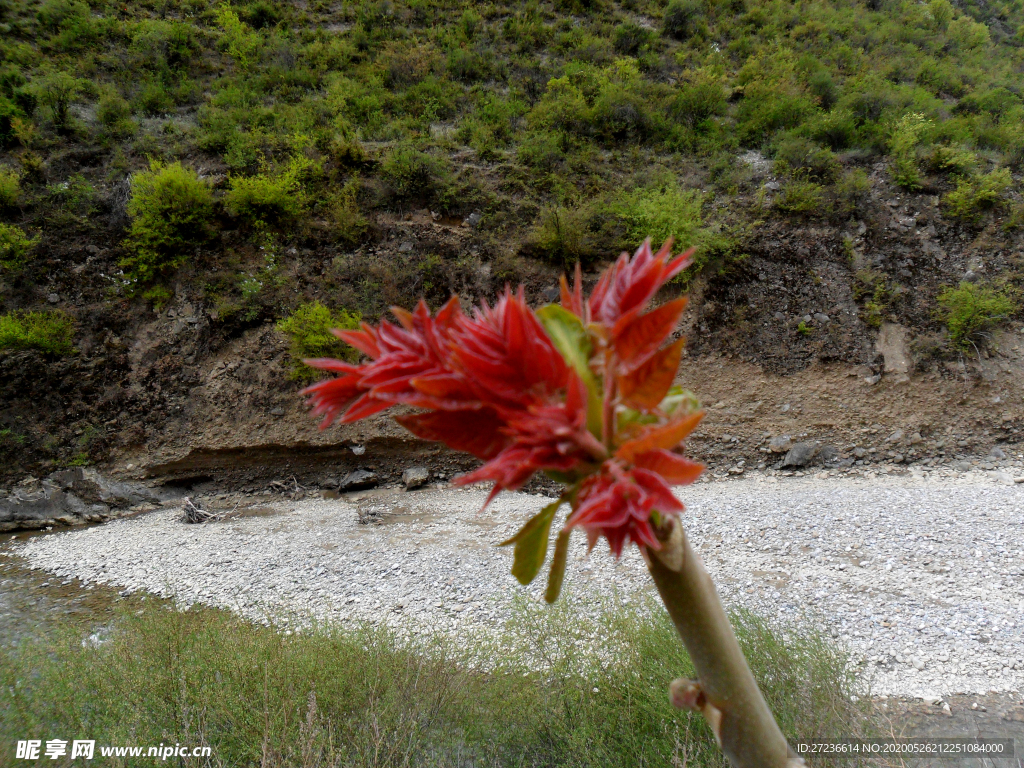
631	38
349	225
111	109
153	99
50	332
852	191
170	209
698	101
308	329
796	156
974	195
561	234
765	110
414	174
270	198
681	18
10	188
58	91
971	309
241	42
660	213
906	135
802	196
159	296
968	34
958	160
15	246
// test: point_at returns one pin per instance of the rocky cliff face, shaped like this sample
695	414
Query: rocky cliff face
819	330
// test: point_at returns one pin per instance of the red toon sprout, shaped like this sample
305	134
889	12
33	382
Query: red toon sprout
582	391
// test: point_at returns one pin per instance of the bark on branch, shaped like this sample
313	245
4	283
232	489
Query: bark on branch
726	693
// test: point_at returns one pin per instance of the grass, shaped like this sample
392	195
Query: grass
366	698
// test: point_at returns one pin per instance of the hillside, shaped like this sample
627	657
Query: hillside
192	192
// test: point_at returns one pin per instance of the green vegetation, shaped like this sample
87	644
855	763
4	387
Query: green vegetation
574	128
15	246
49	332
309	330
365	698
171	208
971	309
975	194
10	188
269	198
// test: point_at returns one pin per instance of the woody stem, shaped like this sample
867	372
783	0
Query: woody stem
739	715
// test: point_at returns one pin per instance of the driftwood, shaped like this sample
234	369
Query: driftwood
193	512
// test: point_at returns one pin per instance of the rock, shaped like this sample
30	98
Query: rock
358	450
414	477
358	480
997	453
780	444
898	458
828	454
895	437
1003	477
894	346
859	452
53	298
279	411
801	454
822	318
873	379
71	496
963	466
473	220
773	186
405	247
550	293
916	439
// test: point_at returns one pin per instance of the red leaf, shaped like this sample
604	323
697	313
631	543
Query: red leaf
473	431
665	436
364	340
365	406
637	339
573	300
404	317
647	386
676	469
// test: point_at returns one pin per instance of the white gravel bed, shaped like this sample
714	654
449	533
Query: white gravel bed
922	578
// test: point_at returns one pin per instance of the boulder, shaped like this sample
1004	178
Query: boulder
894	346
801	454
780	444
69	497
414	477
828	454
358	480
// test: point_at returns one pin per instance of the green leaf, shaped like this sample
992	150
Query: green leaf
570	338
557	575
532	544
679	401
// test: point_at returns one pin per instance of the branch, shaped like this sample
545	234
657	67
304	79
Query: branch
726	694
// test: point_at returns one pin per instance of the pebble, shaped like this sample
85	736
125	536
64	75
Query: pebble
920	577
